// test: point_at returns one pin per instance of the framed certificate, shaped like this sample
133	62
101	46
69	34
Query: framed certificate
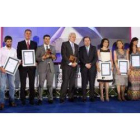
105	68
123	66
28	58
135	60
11	65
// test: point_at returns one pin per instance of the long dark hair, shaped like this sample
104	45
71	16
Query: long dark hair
102	42
131	44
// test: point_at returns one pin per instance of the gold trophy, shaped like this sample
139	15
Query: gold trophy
72	59
48	52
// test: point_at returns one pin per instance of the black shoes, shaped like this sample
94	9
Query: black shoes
39	102
71	100
1	106
23	102
62	100
92	99
12	104
84	99
31	102
50	101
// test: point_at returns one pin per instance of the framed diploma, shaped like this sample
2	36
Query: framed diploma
123	66
11	65
28	58
105	68
135	60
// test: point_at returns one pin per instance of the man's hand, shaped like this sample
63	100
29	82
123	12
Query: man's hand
88	66
53	56
20	63
3	70
74	64
43	57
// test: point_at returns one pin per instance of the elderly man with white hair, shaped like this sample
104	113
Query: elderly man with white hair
69	51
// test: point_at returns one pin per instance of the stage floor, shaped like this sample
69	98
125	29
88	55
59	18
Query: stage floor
113	106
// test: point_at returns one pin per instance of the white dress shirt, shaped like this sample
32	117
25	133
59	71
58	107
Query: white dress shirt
87	48
28	41
5	53
73	49
45	46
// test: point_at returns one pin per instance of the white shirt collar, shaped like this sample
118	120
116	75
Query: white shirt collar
7	48
71	42
45	46
27	41
87	46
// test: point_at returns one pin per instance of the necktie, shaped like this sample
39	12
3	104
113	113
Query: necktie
28	45
87	48
73	49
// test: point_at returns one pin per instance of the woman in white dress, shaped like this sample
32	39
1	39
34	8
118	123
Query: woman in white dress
104	55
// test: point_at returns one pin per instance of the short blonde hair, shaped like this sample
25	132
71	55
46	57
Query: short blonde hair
72	34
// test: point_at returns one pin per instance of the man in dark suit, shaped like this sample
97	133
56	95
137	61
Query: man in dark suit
69	51
26	44
88	58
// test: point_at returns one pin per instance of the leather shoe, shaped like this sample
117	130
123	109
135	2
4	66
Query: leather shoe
39	102
71	99
31	102
1	106
62	100
12	104
50	101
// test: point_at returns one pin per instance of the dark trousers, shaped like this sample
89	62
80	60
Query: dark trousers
88	75
68	80
23	75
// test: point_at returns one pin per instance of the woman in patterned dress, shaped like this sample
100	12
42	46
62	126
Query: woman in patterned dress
121	81
134	41
134	76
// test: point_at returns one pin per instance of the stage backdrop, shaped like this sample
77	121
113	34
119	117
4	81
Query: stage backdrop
60	34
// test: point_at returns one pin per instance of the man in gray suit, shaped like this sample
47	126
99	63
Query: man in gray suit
45	55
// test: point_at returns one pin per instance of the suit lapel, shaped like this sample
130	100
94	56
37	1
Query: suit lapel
43	49
70	47
29	46
25	44
75	48
85	50
90	50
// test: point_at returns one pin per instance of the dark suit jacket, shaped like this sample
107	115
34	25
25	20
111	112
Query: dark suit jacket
66	51
84	58
22	46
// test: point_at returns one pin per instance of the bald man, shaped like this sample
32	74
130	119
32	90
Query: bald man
69	52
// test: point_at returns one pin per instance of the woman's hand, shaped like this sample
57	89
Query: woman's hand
131	67
112	68
118	72
98	69
128	72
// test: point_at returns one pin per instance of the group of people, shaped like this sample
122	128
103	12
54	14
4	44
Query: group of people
87	56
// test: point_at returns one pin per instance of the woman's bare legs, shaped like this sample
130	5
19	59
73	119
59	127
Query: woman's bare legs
119	92
101	85
123	93
106	90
